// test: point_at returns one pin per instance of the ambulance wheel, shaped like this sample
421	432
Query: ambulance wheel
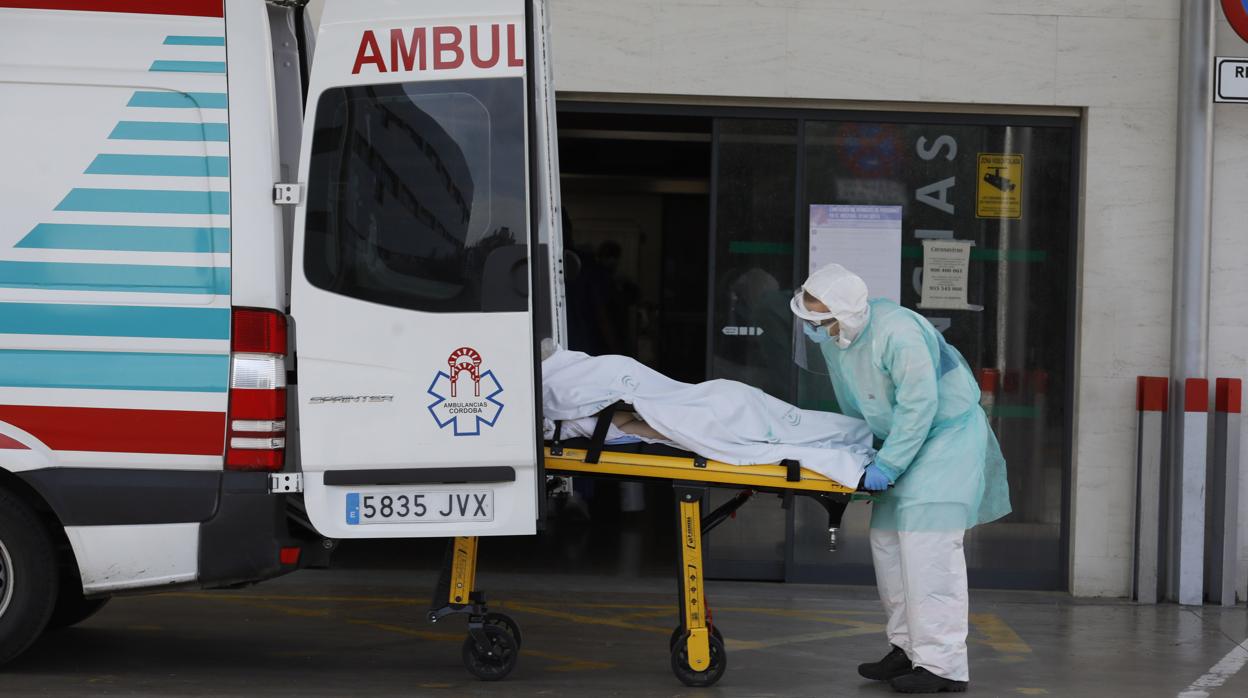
28	576
679	632
72	609
700	679
505	622
495	661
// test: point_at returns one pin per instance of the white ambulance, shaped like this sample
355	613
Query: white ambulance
264	282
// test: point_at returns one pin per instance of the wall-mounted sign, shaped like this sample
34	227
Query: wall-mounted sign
946	268
999	191
864	239
1230	79
1237	14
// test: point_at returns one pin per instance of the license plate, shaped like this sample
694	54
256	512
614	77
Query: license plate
419	507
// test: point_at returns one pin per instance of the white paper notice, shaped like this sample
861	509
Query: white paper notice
864	239
946	265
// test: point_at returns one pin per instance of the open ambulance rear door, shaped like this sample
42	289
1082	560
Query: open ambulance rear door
410	286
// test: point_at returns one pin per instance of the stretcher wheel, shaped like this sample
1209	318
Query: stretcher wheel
507	623
678	633
495	662
700	679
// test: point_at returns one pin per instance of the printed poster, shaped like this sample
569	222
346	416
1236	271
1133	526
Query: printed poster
864	239
946	267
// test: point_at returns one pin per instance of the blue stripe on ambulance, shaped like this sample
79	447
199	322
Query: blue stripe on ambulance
93	370
68	319
145	201
188	67
179	100
195	40
170	131
126	238
160	165
126	278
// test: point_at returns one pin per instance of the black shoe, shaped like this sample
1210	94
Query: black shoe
894	664
921	680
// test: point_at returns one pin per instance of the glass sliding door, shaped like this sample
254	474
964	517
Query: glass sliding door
1005	186
754	211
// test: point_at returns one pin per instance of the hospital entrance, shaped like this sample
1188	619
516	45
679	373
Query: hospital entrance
688	229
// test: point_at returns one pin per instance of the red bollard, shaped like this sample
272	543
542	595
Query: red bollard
1222	495
1151	402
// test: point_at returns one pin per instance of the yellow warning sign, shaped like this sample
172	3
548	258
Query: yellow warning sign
999	193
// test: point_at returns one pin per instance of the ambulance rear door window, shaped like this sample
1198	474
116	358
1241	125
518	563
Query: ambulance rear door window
417	195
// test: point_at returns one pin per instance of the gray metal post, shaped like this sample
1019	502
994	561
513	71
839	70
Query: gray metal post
1222	515
1189	551
1189	341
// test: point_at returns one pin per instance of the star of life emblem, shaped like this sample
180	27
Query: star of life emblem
465	397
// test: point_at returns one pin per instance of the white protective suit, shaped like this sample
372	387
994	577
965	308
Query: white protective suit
722	420
891	367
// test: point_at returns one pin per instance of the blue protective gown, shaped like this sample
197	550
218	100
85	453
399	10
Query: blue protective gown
920	397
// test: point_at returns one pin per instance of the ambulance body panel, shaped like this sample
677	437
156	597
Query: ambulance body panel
172	338
115	281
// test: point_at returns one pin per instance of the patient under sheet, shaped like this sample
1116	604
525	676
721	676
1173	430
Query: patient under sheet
721	420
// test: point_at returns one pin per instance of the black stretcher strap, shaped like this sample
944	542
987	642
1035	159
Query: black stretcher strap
792	470
556	443
599	439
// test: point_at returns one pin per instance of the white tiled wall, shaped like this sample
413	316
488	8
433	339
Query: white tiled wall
1115	58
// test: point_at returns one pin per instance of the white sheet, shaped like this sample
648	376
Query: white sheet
722	420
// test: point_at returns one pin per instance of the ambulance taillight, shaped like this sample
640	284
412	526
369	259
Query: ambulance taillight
257	420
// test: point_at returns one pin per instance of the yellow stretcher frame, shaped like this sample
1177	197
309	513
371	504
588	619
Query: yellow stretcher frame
698	654
638	465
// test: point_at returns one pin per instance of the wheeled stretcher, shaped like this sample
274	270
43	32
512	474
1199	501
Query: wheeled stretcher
697	648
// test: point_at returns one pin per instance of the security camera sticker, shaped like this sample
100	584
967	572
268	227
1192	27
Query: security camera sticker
465	396
999	190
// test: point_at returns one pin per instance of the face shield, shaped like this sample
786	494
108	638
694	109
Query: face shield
807	353
841	296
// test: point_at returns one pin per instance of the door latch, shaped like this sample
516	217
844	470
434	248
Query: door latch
285	483
287	193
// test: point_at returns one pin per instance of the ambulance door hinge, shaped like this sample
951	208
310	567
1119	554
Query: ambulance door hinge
285	483
287	193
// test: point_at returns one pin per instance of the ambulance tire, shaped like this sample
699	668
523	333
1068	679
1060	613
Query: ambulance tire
29	578
72	609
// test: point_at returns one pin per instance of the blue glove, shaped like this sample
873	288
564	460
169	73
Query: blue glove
874	479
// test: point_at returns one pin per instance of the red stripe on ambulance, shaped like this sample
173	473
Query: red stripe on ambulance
121	430
11	444
187	8
442	48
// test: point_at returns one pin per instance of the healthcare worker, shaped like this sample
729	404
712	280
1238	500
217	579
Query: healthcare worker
939	471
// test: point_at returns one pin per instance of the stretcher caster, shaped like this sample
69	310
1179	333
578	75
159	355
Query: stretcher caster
699	679
678	634
505	622
490	653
